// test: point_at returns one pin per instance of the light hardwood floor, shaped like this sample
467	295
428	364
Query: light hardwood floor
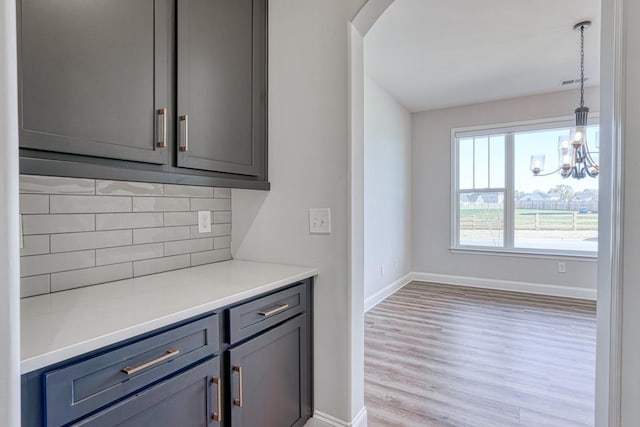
440	355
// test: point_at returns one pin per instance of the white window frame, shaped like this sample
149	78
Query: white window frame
506	129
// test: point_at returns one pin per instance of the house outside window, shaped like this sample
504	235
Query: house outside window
499	205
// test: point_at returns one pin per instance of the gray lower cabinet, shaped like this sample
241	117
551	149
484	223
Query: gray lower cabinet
270	378
245	365
190	399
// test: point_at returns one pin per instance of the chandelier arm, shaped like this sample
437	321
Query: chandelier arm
587	170
591	161
588	156
549	173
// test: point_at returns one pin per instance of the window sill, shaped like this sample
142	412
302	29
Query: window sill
523	253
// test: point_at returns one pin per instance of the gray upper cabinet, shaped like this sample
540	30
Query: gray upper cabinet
94	76
221	85
171	91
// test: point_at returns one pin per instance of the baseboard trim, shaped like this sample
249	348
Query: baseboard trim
508	285
387	291
360	419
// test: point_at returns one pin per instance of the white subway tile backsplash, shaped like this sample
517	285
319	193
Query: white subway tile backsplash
222	242
216	230
90	240
49	224
34	285
81	232
160	234
210	204
128	220
187	191
222	217
159	265
90	204
55	185
53	263
34	203
180	218
209	257
128	253
188	246
123	188
160	204
90	276
35	245
221	193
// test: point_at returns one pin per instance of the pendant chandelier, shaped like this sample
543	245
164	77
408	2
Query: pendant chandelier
575	160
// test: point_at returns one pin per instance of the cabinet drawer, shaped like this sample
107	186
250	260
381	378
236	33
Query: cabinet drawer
76	390
189	399
250	318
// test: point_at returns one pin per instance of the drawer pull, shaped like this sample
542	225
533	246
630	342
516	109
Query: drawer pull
278	309
217	416
168	355
238	401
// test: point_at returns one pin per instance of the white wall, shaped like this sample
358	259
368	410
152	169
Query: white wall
608	355
432	182
387	191
631	222
356	226
309	167
9	246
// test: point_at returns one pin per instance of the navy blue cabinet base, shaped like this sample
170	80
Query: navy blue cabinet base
177	94
243	364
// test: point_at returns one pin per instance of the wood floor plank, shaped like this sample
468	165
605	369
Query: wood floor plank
438	355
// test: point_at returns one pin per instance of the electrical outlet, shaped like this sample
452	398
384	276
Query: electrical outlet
204	221
562	267
382	270
320	221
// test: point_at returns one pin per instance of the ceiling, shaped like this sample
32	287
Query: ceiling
432	54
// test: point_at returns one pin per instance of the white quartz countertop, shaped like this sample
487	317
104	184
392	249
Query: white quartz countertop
62	325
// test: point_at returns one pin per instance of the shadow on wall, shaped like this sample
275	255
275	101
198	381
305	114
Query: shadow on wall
252	202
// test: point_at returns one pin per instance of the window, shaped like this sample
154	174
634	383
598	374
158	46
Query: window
499	205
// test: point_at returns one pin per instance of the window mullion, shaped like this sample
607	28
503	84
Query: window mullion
474	163
509	205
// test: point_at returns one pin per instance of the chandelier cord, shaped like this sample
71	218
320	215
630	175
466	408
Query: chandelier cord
582	66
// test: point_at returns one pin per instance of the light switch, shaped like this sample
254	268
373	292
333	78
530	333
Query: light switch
204	221
320	221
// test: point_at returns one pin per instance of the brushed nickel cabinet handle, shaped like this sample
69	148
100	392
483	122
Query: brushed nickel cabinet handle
184	141
217	416
278	309
168	355
238	401
162	127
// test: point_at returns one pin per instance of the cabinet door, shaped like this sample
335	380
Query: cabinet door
190	399
269	378
222	85
93	77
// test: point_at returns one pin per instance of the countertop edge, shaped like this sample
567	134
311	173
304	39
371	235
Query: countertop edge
38	362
